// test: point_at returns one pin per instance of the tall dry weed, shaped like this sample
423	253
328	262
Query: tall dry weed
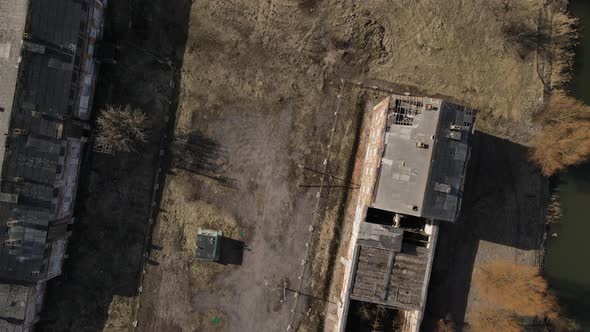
563	138
564	37
519	289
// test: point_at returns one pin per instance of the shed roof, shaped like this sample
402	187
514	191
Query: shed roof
208	245
38	91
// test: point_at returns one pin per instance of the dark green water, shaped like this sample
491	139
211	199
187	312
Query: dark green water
567	264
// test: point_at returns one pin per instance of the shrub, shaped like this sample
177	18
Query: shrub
516	288
121	127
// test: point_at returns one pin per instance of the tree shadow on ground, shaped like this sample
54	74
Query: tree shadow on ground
526	39
502	204
115	194
200	155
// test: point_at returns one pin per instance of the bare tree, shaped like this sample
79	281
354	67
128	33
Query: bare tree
563	138
122	127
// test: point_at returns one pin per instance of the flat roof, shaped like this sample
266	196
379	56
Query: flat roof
424	158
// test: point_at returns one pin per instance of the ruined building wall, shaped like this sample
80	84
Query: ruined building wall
372	160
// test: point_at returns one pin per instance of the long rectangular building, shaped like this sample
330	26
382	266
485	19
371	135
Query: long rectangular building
48	72
412	178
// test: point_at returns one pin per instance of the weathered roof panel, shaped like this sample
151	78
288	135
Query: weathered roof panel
390	275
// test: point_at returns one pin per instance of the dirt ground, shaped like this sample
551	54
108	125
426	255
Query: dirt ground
260	95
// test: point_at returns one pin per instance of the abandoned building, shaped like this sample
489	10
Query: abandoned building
48	73
412	178
208	247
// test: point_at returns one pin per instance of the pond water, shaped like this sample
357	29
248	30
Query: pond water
567	264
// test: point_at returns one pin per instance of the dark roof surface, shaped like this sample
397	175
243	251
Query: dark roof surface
57	22
39	159
449	163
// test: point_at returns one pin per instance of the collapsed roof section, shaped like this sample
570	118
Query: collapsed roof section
424	157
390	268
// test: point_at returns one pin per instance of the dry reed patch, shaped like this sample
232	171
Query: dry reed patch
516	288
564	136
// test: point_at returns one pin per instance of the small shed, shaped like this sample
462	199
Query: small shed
208	245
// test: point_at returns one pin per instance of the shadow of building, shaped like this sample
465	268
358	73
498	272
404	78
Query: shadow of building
502	203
